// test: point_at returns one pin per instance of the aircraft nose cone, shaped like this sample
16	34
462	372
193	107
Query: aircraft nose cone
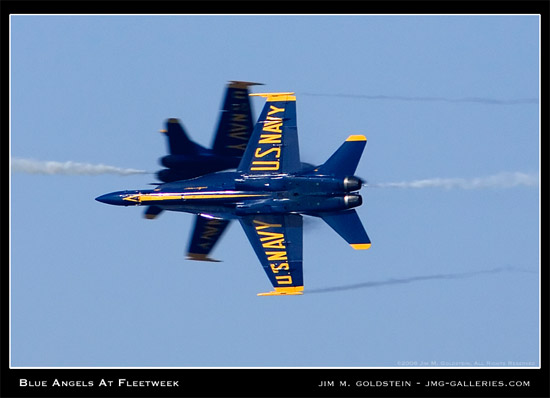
111	199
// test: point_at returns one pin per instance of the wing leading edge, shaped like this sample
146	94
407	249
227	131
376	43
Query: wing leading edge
278	241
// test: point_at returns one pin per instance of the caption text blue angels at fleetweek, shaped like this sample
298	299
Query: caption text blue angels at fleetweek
99	383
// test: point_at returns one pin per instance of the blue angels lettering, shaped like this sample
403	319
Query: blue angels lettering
269	193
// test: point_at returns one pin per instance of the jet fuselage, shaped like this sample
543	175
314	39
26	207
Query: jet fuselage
231	194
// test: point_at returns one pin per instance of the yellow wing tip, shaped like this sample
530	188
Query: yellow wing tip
360	246
285	291
356	138
272	97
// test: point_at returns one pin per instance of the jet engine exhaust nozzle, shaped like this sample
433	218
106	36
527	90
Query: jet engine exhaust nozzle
353	201
352	183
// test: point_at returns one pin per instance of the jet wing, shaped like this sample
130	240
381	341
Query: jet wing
236	124
273	147
277	241
206	234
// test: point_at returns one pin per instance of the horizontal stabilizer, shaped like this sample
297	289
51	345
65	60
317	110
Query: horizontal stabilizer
346	158
348	225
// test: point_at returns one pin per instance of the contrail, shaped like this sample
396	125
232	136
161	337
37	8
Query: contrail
478	100
31	166
501	180
400	281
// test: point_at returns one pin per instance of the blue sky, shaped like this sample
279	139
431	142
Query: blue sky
452	276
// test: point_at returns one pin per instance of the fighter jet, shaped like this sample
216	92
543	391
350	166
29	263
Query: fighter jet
269	193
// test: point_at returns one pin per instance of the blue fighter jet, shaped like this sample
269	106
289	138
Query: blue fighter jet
269	193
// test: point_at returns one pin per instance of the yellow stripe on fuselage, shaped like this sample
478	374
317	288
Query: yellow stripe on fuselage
203	196
148	198
190	195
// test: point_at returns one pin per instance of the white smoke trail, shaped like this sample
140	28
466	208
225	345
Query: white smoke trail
31	166
501	180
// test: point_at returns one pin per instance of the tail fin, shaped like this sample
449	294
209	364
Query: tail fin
348	225
344	161
178	142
